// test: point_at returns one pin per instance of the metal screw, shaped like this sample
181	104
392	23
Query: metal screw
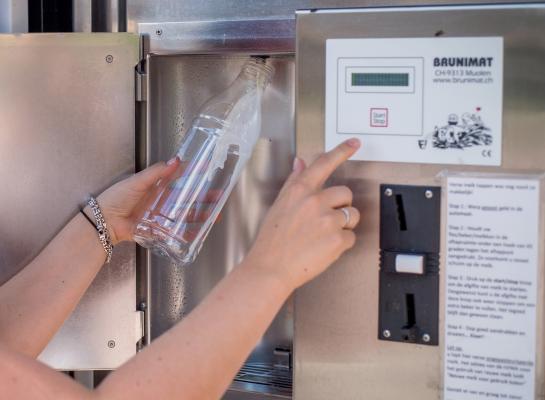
426	338
388	192
143	306
109	59
159	32
386	333
111	344
428	194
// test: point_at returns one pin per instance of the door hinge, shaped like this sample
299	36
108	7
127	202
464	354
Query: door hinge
141	86
138	326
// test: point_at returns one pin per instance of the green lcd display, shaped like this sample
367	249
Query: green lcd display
379	79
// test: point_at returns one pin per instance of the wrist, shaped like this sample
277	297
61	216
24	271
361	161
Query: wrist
109	238
258	272
108	218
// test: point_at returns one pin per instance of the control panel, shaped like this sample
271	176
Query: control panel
416	100
380	96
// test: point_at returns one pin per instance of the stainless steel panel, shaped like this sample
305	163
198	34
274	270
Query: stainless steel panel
81	15
139	11
177	87
249	36
99	16
337	354
67	130
13	16
108	16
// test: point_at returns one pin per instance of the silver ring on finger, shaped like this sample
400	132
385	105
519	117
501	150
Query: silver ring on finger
346	213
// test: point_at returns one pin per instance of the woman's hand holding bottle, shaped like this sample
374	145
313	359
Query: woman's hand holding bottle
119	202
303	233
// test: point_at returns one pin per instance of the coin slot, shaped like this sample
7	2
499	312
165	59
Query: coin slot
401	213
410	313
409	264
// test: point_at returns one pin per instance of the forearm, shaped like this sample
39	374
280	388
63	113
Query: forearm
36	301
24	378
304	232
199	357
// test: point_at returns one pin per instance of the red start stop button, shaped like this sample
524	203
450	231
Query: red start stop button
379	117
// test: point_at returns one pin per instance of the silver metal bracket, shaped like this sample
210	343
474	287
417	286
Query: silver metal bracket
141	82
141	86
253	36
282	358
139	325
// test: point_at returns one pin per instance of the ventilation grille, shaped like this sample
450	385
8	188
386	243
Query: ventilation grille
266	374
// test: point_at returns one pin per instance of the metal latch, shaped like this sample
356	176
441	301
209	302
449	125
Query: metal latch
282	358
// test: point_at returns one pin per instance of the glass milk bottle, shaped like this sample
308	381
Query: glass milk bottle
176	217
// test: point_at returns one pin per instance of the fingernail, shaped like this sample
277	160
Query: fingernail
172	160
297	164
355	143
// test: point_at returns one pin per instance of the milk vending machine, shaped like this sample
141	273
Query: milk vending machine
442	296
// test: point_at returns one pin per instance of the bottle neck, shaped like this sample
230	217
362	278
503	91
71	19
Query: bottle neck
254	77
257	73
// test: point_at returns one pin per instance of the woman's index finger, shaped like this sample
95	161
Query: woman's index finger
322	168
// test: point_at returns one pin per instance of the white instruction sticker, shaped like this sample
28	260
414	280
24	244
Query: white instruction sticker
491	288
421	100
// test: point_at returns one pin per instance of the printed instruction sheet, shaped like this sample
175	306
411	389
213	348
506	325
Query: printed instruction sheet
491	288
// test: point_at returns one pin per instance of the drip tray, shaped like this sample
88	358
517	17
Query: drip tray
264	378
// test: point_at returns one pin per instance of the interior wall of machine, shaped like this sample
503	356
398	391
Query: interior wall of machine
177	87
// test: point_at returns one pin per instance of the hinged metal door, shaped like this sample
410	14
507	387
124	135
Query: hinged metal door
339	352
67	129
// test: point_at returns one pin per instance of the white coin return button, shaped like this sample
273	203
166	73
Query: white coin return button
410	263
